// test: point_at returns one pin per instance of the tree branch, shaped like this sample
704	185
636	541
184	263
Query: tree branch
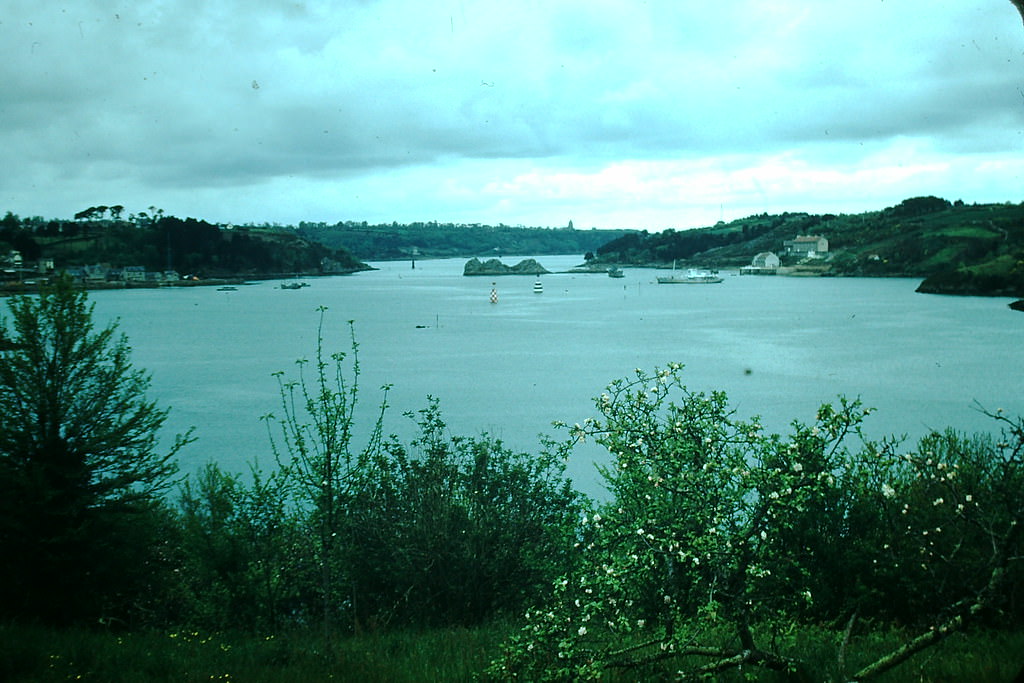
938	633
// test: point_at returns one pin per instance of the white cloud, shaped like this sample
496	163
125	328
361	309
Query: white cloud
646	115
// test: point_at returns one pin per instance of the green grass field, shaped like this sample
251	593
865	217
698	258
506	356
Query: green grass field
41	654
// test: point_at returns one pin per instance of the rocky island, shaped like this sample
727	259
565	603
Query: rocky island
492	267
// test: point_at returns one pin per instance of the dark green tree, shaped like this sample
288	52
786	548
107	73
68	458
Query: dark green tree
81	476
454	531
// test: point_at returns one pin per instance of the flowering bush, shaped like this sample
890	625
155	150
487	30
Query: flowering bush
719	536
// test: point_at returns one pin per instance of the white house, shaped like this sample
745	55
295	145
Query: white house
811	246
134	274
764	263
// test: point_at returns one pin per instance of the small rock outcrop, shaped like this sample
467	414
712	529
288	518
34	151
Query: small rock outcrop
494	266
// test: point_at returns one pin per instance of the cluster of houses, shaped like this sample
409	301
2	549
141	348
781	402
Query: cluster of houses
14	269
803	246
129	274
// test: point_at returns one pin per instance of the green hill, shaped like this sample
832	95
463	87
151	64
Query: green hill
449	240
159	243
956	248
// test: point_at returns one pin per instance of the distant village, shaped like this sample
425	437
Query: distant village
15	271
17	274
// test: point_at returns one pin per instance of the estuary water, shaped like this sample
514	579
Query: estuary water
778	346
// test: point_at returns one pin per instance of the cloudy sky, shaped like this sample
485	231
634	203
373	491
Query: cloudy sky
666	113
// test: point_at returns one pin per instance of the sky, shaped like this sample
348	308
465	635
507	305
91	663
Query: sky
609	114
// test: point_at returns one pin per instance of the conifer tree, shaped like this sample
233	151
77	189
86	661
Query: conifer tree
80	471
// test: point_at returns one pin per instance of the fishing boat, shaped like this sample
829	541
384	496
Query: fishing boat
693	276
615	272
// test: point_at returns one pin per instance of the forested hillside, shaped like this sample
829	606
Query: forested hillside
449	240
957	248
158	242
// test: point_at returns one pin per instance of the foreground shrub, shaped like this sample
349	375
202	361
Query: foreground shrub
454	530
720	537
442	531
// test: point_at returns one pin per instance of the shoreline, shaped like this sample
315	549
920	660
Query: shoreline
33	287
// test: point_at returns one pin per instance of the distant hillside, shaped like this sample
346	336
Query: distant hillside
449	240
158	243
956	248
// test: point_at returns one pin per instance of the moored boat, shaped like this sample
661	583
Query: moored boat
693	276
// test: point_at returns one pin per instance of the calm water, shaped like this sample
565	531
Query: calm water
778	346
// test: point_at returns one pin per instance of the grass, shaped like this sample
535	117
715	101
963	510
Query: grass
40	654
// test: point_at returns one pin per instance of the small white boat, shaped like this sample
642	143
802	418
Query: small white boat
693	276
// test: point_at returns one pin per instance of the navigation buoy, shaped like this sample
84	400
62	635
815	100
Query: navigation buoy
494	293
538	288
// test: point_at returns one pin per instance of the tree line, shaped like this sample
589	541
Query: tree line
717	539
431	239
154	239
160	242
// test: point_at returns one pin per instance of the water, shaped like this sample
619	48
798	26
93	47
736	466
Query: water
778	346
